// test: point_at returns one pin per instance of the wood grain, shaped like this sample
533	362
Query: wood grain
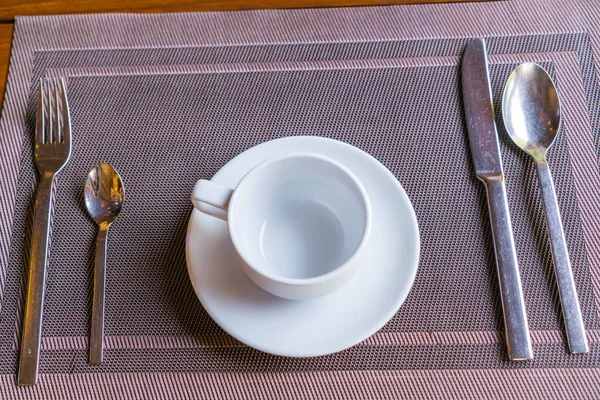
10	8
5	41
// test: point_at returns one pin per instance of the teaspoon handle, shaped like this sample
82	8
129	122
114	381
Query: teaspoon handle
97	331
562	266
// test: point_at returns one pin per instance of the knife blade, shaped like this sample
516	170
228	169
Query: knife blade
485	151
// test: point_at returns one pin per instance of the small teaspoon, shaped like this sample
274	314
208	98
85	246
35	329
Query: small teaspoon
104	197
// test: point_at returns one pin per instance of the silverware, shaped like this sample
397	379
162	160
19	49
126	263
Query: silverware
483	139
531	113
52	152
104	196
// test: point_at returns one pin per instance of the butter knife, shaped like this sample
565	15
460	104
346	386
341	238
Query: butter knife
485	150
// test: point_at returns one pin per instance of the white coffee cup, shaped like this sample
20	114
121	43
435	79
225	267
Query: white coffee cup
299	222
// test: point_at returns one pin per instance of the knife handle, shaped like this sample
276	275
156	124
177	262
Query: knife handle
511	293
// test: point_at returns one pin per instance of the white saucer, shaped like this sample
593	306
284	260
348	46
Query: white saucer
312	327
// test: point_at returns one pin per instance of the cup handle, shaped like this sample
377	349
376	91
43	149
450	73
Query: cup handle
211	198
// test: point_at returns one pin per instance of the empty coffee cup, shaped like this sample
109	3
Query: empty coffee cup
299	223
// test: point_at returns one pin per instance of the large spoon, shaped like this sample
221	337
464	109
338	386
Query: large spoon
104	196
531	112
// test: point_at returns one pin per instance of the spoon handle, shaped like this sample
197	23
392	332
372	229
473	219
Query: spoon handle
97	331
562	265
511	293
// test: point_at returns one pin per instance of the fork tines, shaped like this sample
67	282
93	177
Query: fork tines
53	120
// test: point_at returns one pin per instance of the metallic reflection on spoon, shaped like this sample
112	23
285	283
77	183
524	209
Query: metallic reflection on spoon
104	193
104	197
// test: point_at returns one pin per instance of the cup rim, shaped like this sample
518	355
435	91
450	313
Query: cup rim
340	270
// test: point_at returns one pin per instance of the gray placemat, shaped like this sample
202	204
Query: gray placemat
400	101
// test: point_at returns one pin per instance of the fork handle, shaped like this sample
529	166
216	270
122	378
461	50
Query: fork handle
97	331
36	287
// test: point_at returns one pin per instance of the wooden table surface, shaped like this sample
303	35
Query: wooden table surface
10	8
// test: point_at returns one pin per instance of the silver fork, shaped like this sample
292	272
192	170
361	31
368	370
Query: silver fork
52	152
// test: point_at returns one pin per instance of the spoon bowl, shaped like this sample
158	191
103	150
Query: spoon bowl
104	194
531	109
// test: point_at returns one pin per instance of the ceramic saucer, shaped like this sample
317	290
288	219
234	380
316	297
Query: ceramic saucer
311	327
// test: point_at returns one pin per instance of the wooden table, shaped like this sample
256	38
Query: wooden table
10	8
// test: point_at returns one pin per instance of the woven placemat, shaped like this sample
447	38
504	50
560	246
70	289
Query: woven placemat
184	101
